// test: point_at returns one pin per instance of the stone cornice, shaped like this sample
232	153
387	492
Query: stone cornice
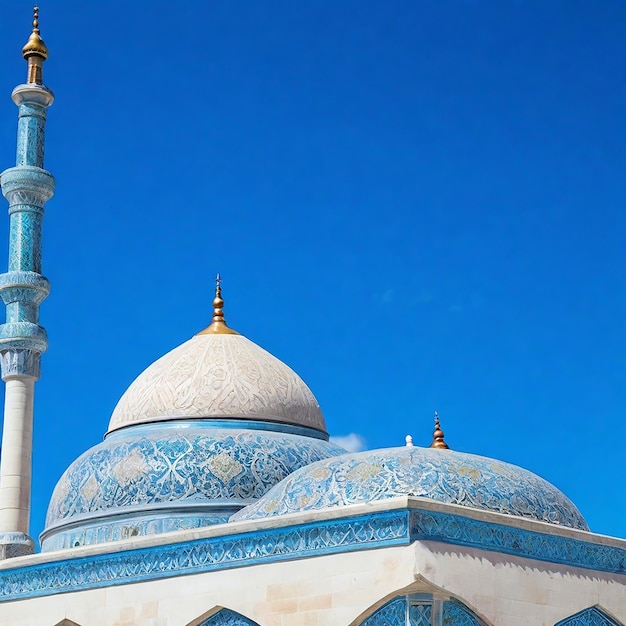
246	544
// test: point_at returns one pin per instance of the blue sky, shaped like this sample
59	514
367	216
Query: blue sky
417	205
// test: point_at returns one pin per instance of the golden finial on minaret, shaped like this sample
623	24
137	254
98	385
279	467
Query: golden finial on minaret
438	441
35	52
218	324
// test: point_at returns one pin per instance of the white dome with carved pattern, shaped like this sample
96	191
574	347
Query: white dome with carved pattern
218	375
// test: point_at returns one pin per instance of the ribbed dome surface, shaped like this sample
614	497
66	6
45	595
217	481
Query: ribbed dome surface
218	376
442	475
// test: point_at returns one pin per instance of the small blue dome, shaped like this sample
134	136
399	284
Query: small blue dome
154	478
441	475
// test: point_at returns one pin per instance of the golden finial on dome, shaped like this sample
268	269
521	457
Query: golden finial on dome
218	325
438	441
35	52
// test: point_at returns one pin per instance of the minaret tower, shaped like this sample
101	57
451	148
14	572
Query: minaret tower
27	187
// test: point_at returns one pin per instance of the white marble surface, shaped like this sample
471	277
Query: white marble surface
218	376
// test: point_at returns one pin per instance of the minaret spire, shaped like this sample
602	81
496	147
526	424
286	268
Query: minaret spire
27	187
35	52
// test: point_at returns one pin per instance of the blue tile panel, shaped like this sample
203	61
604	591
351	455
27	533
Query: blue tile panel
420	614
27	187
156	478
375	530
592	616
391	614
217	553
226	617
417	611
457	614
31	134
442	475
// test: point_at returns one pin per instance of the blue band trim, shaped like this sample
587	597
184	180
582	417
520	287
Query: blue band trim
363	532
205	555
464	531
235	423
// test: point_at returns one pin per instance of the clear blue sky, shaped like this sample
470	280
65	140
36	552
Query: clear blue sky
416	204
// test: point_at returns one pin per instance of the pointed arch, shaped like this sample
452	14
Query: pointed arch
422	610
226	617
593	616
393	613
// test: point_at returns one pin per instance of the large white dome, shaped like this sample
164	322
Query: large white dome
218	375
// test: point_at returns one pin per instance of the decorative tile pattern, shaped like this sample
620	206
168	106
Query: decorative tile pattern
386	528
23	336
27	188
217	376
445	476
215	553
25	242
105	530
31	134
420	614
147	468
391	614
226	617
26	287
20	363
457	614
592	616
405	611
465	531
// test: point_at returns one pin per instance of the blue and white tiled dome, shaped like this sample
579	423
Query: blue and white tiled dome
203	432
441	475
159	477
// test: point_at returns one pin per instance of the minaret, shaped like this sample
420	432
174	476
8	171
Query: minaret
27	187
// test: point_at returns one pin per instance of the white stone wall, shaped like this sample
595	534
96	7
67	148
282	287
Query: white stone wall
513	591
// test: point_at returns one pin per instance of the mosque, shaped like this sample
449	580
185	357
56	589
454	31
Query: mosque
216	498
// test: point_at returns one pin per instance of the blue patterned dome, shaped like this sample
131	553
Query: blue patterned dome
441	475
204	431
155	478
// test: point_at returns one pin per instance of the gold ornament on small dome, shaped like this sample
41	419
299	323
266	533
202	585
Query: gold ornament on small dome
438	441
35	52
218	324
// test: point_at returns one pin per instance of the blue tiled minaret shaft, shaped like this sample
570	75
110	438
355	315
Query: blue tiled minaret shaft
27	187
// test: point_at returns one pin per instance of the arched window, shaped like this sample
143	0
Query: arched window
592	616
422	610
226	617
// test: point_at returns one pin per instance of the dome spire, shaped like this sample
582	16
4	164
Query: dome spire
218	324
35	52
438	441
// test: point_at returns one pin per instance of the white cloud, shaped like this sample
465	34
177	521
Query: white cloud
351	442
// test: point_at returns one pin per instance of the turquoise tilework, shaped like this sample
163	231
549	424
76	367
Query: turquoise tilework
593	616
197	473
226	617
441	475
